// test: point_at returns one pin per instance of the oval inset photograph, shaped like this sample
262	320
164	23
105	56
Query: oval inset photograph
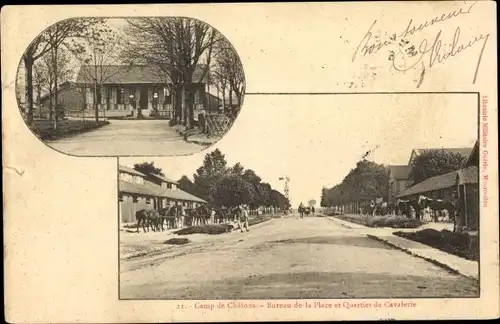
140	86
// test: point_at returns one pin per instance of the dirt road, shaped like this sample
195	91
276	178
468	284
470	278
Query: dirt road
287	258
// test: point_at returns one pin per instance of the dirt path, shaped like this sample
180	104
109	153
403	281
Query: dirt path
289	258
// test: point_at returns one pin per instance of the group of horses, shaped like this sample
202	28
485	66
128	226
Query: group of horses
177	216
305	211
437	208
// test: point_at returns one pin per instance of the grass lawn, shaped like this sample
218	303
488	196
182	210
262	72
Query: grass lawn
382	221
44	128
460	244
215	229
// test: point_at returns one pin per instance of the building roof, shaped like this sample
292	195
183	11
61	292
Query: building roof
125	169
435	183
163	178
181	195
473	156
125	186
63	86
400	172
157	191
126	74
468	175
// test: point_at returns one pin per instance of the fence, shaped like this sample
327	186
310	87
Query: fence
217	125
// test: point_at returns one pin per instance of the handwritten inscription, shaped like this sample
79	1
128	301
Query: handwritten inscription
439	53
411	28
430	52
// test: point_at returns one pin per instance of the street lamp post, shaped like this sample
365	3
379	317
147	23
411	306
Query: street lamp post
132	102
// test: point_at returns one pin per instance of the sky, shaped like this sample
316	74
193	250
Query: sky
317	140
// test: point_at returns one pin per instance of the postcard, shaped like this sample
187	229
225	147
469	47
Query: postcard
250	162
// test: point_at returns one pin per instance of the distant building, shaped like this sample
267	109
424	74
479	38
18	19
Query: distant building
149	191
399	175
399	180
464	181
69	98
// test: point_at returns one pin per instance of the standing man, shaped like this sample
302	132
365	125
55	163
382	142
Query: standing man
212	216
243	219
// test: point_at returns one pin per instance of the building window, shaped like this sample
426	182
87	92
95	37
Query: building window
148	200
169	186
135	199
167	95
120	98
120	197
197	97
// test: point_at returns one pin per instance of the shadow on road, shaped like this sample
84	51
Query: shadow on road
297	285
336	240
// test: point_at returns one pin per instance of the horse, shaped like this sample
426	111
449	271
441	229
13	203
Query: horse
402	207
369	209
438	206
154	220
170	216
307	211
142	217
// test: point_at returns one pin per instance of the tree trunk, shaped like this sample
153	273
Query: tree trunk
190	107
223	98
51	104
56	77
183	103
178	104
231	100
94	102
28	101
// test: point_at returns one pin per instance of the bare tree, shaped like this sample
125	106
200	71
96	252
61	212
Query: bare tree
51	39
35	51
220	82
230	67
98	51
49	74
176	45
40	79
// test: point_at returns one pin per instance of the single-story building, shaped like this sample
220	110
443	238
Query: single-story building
69	96
127	88
149	191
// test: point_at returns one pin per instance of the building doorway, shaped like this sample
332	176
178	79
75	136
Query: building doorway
143	99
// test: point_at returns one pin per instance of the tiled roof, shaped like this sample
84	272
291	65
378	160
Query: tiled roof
125	74
157	191
123	168
400	172
163	178
435	183
468	175
135	188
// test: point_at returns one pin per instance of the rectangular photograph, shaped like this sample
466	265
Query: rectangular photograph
366	196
